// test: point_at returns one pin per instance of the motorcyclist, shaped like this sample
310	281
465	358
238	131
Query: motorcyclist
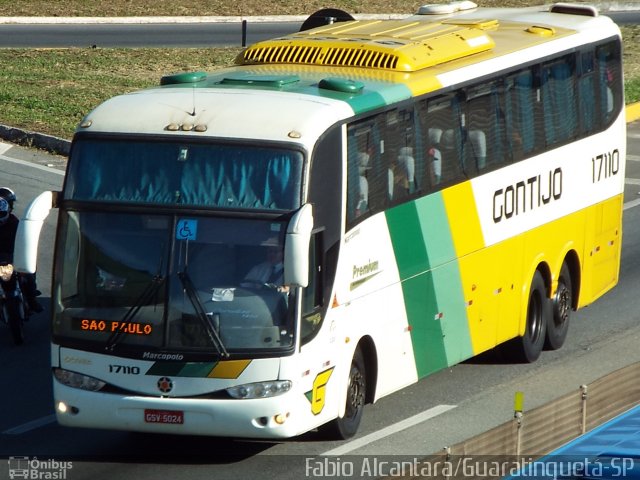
8	229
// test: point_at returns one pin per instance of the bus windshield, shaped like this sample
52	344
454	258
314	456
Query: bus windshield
166	282
182	173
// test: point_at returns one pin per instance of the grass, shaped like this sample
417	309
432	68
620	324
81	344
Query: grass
132	8
49	91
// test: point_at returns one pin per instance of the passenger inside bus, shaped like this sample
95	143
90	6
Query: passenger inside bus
363	187
270	271
401	174
434	156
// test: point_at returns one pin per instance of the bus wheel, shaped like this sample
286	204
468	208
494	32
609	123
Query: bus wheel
528	347
562	305
346	427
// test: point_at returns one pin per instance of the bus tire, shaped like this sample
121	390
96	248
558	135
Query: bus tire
527	348
558	325
346	427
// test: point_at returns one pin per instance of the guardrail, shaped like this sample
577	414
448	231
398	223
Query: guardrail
535	433
549	426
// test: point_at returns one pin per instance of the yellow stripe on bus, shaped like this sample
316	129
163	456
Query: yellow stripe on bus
229	369
463	217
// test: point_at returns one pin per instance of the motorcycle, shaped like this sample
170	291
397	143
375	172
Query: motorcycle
14	310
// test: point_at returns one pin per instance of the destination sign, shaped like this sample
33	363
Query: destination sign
112	326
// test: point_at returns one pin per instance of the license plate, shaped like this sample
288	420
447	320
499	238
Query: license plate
164	416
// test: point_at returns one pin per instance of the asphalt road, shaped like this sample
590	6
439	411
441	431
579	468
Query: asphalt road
477	395
141	35
162	35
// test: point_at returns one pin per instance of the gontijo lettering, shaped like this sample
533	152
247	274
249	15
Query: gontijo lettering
526	195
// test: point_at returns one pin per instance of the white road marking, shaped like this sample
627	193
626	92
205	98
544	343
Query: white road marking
32	425
631	204
390	430
31	164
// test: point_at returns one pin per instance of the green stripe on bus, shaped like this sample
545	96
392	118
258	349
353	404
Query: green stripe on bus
434	300
197	369
375	95
447	279
166	368
182	369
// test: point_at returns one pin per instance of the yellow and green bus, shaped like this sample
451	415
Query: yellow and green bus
262	250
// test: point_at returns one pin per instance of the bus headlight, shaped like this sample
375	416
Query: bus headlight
77	380
260	389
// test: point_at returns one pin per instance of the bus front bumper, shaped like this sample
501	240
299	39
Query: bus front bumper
275	417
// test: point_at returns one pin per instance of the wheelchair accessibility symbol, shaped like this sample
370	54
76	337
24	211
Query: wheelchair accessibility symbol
186	229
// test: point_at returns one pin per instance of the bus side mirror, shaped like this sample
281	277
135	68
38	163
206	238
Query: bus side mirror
26	250
296	247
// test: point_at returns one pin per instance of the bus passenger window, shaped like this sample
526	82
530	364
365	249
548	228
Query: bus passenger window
408	164
609	74
587	93
485	126
357	185
477	149
444	122
401	174
450	159
361	156
520	95
558	100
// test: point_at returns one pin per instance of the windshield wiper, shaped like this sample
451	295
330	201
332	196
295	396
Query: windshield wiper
205	319
144	298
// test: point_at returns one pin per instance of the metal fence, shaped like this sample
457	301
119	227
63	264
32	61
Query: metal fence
540	431
549	426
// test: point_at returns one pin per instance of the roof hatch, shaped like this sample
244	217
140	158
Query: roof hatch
574	9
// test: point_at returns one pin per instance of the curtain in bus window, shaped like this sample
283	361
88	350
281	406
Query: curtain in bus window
114	171
199	175
495	140
422	146
524	90
238	180
251	178
519	113
587	94
560	118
